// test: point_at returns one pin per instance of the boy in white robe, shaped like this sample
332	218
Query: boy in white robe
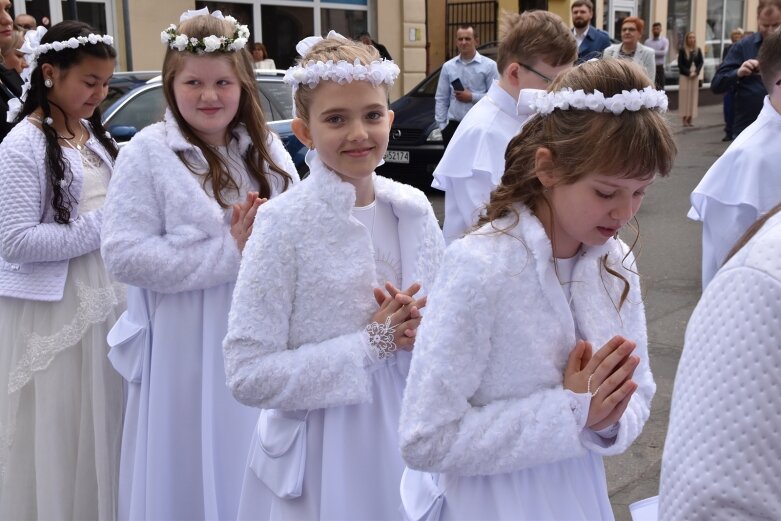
745	181
535	48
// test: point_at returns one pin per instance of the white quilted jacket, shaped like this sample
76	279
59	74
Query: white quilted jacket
722	457
35	250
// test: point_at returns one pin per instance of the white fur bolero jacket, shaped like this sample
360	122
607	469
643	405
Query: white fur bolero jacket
161	230
485	390
296	336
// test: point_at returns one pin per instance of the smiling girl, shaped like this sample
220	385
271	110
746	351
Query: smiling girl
307	340
60	400
179	212
508	396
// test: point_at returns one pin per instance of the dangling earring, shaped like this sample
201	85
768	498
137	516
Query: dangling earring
311	146
48	82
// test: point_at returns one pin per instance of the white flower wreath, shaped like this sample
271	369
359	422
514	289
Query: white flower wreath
32	48
211	43
310	74
631	100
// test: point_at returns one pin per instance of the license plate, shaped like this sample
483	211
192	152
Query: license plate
396	156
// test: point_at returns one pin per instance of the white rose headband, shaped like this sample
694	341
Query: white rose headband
544	103
32	48
211	43
313	72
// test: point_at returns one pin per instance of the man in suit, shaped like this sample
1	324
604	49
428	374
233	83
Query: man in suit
591	41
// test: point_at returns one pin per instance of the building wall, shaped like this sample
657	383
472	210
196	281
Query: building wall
147	19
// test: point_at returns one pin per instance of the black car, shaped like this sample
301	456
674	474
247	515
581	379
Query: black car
415	146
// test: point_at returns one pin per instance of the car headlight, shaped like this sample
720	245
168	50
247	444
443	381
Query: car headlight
435	136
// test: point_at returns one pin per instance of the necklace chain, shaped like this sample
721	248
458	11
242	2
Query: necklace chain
78	145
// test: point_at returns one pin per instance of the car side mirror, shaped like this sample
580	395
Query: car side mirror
122	132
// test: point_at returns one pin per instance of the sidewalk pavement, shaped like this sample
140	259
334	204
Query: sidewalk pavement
708	116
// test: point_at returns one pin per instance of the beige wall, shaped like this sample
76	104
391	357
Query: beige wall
147	19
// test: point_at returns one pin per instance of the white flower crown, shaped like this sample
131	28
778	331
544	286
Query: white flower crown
310	74
632	100
211	43
32	48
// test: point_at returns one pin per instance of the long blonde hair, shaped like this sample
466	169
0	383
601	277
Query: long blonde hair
633	144
249	113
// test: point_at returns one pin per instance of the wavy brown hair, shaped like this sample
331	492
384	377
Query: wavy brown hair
632	145
336	50
249	113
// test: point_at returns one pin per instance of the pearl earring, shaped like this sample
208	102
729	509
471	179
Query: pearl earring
48	82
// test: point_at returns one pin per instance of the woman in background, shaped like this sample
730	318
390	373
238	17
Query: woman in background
689	66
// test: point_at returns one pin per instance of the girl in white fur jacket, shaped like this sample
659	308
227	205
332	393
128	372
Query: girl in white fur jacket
498	401
174	229
306	339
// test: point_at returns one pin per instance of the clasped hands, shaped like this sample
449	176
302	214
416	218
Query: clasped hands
243	218
403	310
610	372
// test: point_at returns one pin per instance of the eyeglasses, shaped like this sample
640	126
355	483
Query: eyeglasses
538	73
26	27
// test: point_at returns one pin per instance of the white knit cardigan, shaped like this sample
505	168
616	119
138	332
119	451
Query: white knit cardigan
35	250
296	336
484	393
162	231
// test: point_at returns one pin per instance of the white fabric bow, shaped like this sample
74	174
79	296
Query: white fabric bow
307	43
524	106
204	11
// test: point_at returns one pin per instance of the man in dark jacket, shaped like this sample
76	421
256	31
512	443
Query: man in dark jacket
10	87
591	41
366	39
740	69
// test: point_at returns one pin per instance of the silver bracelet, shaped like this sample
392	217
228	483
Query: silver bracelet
381	338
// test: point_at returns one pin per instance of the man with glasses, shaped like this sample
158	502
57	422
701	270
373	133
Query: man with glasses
462	82
536	47
25	22
740	69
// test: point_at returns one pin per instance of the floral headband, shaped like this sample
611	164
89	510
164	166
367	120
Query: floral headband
310	74
211	43
632	100
32	48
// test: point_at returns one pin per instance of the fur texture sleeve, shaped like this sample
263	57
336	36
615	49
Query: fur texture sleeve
440	429
262	369
23	237
158	236
639	409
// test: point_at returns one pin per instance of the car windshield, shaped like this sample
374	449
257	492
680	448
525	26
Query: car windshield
428	87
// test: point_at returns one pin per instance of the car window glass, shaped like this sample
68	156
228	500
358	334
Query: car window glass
140	111
278	95
429	86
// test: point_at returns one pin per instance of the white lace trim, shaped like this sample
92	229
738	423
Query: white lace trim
95	305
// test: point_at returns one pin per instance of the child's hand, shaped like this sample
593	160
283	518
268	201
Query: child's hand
610	371
403	310
243	218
